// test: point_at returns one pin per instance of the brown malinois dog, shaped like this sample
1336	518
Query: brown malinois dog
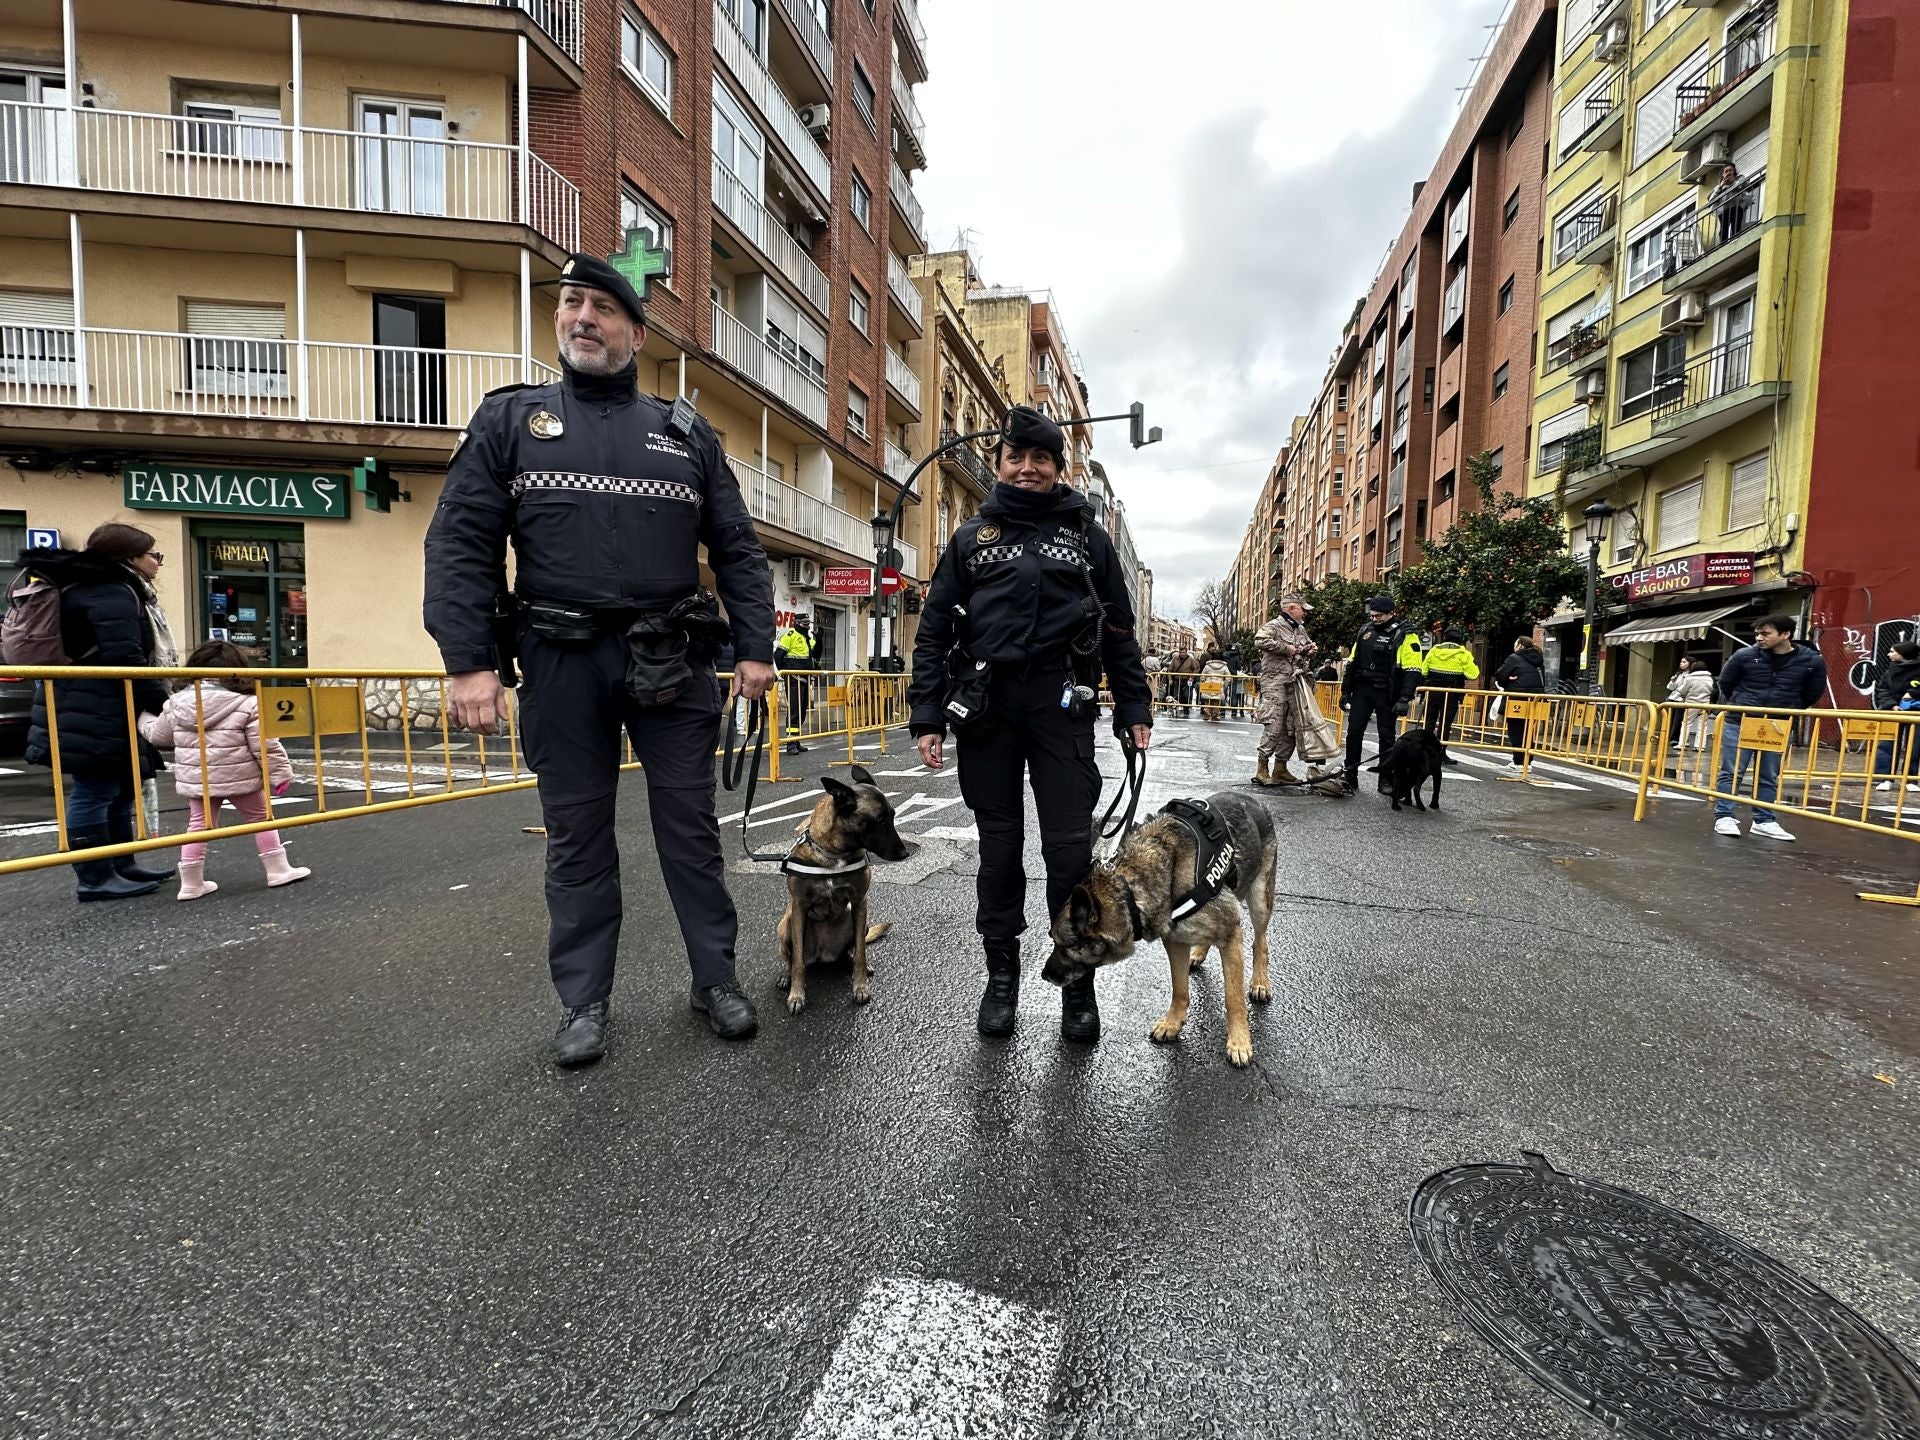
1145	894
827	878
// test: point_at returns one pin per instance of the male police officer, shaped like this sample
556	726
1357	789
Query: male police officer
606	495
1027	606
1383	672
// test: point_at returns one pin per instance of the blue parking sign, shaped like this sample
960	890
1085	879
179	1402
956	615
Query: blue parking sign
43	539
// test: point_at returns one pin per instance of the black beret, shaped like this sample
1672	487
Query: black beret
596	274
1381	604
1027	429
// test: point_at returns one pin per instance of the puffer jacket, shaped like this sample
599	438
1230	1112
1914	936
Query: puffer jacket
103	621
1690	687
1793	681
233	741
1897	681
1522	673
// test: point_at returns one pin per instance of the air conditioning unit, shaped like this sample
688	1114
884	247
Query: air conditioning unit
802	573
1611	42
1703	161
818	119
1591	386
1686	311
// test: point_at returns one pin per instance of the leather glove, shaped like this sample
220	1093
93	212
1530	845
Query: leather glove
1400	708
1346	705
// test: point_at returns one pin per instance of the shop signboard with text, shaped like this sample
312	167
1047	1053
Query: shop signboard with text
236	490
1686	572
846	580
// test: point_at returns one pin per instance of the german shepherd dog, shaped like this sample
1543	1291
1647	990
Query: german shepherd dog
1131	899
826	915
1405	768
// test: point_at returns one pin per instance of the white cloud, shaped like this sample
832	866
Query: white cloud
1210	200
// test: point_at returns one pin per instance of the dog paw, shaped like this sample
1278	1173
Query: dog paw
1260	994
1166	1032
784	981
1196	960
862	995
1239	1051
796	1002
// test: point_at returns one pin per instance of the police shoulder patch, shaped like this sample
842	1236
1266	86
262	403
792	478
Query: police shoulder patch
987	533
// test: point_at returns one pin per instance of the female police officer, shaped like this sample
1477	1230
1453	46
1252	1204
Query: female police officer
1028	605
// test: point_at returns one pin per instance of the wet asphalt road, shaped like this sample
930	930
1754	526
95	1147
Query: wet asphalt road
293	1163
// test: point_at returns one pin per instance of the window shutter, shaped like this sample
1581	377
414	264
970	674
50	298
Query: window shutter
1561	324
1653	117
1680	516
223	317
36	310
1558	427
1747	492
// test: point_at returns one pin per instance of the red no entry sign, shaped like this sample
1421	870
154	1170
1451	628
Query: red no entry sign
891	581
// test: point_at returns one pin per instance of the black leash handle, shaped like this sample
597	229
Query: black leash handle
739	761
1131	785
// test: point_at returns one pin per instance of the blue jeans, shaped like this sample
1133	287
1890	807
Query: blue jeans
1769	788
96	801
1883	758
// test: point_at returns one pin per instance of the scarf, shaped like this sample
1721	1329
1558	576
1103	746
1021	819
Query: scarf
166	653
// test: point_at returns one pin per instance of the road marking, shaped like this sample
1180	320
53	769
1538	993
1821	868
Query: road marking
810	796
5	771
34	827
951	832
922	1359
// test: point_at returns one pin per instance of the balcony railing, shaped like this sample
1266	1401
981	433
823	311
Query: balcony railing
1605	100
909	12
901	377
969	460
899	463
909	109
1454	305
906	202
1708	376
758	82
765	232
812	32
253	162
1746	50
1732	211
236	377
1396	486
559	18
756	358
900	285
795	511
1581	450
1582	340
1579	230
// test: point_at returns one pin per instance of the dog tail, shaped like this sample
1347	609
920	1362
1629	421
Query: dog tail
878	932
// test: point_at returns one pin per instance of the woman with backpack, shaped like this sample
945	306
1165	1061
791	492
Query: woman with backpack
1521	673
89	607
227	713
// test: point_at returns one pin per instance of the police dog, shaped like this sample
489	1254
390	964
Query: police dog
1132	898
826	915
1405	768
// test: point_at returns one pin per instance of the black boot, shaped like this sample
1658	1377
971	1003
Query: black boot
128	867
1079	1011
98	880
1353	780
582	1036
1002	995
729	1013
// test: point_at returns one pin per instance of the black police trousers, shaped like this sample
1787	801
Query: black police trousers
573	707
1026	730
1373	701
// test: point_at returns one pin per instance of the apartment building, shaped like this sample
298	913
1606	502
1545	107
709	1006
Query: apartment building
1682	314
250	247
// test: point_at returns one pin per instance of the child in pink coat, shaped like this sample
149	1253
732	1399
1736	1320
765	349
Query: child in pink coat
230	712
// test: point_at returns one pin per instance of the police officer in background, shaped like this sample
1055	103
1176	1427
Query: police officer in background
607	495
1027	607
1384	669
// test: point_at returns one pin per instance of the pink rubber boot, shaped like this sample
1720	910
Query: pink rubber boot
193	881
280	871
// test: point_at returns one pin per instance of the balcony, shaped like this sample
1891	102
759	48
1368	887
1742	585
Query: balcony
757	359
762	229
1709	376
559	18
899	464
1733	85
812	33
1605	114
252	163
901	287
1587	236
774	106
906	24
777	503
1714	391
1446	451
1396	487
1581	450
907	205
1722	241
969	462
1581	349
914	126
240	378
903	382
1454	304
1457	222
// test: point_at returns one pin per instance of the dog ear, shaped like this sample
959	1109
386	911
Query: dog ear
844	799
860	775
1081	907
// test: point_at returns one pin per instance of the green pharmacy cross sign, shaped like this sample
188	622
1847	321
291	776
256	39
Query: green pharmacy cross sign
639	262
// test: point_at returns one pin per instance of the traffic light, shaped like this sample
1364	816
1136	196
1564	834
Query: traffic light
1137	430
373	478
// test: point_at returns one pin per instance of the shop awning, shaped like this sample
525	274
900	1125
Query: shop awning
1655	629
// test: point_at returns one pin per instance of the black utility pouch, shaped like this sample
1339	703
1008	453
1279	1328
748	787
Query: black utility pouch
707	634
967	682
568	624
658	668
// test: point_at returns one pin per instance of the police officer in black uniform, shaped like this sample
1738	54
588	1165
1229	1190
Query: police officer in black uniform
1384	670
1028	603
607	494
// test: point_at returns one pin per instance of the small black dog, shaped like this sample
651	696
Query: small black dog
1414	756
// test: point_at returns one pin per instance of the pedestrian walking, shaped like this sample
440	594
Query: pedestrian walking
213	729
1028	605
794	654
1180	678
1329	671
1897	687
92	606
1450	665
1524	672
1772	673
1384	669
608	496
1285	649
1692	686
1215	677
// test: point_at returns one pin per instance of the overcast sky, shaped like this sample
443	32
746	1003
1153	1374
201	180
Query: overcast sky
1206	199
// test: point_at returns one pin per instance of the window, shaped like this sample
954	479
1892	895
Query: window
1339	483
1651	375
409	378
861	202
1334	520
646	59
1626	536
1747	492
1510	212
241	132
1515	124
749	17
639	213
36	338
1647	246
1498	460
795	337
1576	224
1679	519
1506	296
1654	116
246	354
857	411
1554	432
1500	380
740	150
1340	398
864	95
1407	277
1657	8
859	306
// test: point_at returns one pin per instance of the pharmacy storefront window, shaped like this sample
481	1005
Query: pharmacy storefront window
251	588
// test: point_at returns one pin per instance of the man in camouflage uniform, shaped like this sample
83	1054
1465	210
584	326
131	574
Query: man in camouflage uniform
1286	650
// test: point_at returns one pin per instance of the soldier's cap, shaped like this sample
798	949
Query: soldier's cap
1381	605
596	274
1027	429
1287	600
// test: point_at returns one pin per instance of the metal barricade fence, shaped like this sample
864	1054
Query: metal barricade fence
836	704
1616	737
1193	693
381	740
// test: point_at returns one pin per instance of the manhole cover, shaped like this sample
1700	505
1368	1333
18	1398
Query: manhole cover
1651	1320
1559	849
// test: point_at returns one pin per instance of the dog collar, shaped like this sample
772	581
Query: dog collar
792	866
1133	913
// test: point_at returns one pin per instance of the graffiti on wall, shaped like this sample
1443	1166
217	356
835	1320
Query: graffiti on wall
1861	653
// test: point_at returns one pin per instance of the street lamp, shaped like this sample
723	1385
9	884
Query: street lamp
1598	513
883	658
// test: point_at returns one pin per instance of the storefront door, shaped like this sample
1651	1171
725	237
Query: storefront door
829	631
251	584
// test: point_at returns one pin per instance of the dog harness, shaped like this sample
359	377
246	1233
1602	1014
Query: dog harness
1213	858
793	866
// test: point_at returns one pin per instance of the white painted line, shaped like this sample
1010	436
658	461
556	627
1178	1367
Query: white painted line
5	771
808	795
951	832
36	827
932	1360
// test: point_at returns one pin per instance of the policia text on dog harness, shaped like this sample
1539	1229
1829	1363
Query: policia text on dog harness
1213	857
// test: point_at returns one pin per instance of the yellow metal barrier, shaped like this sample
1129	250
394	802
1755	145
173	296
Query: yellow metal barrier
1615	737
1208	697
840	704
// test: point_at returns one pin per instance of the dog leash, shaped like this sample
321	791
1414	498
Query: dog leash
1131	784
739	761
